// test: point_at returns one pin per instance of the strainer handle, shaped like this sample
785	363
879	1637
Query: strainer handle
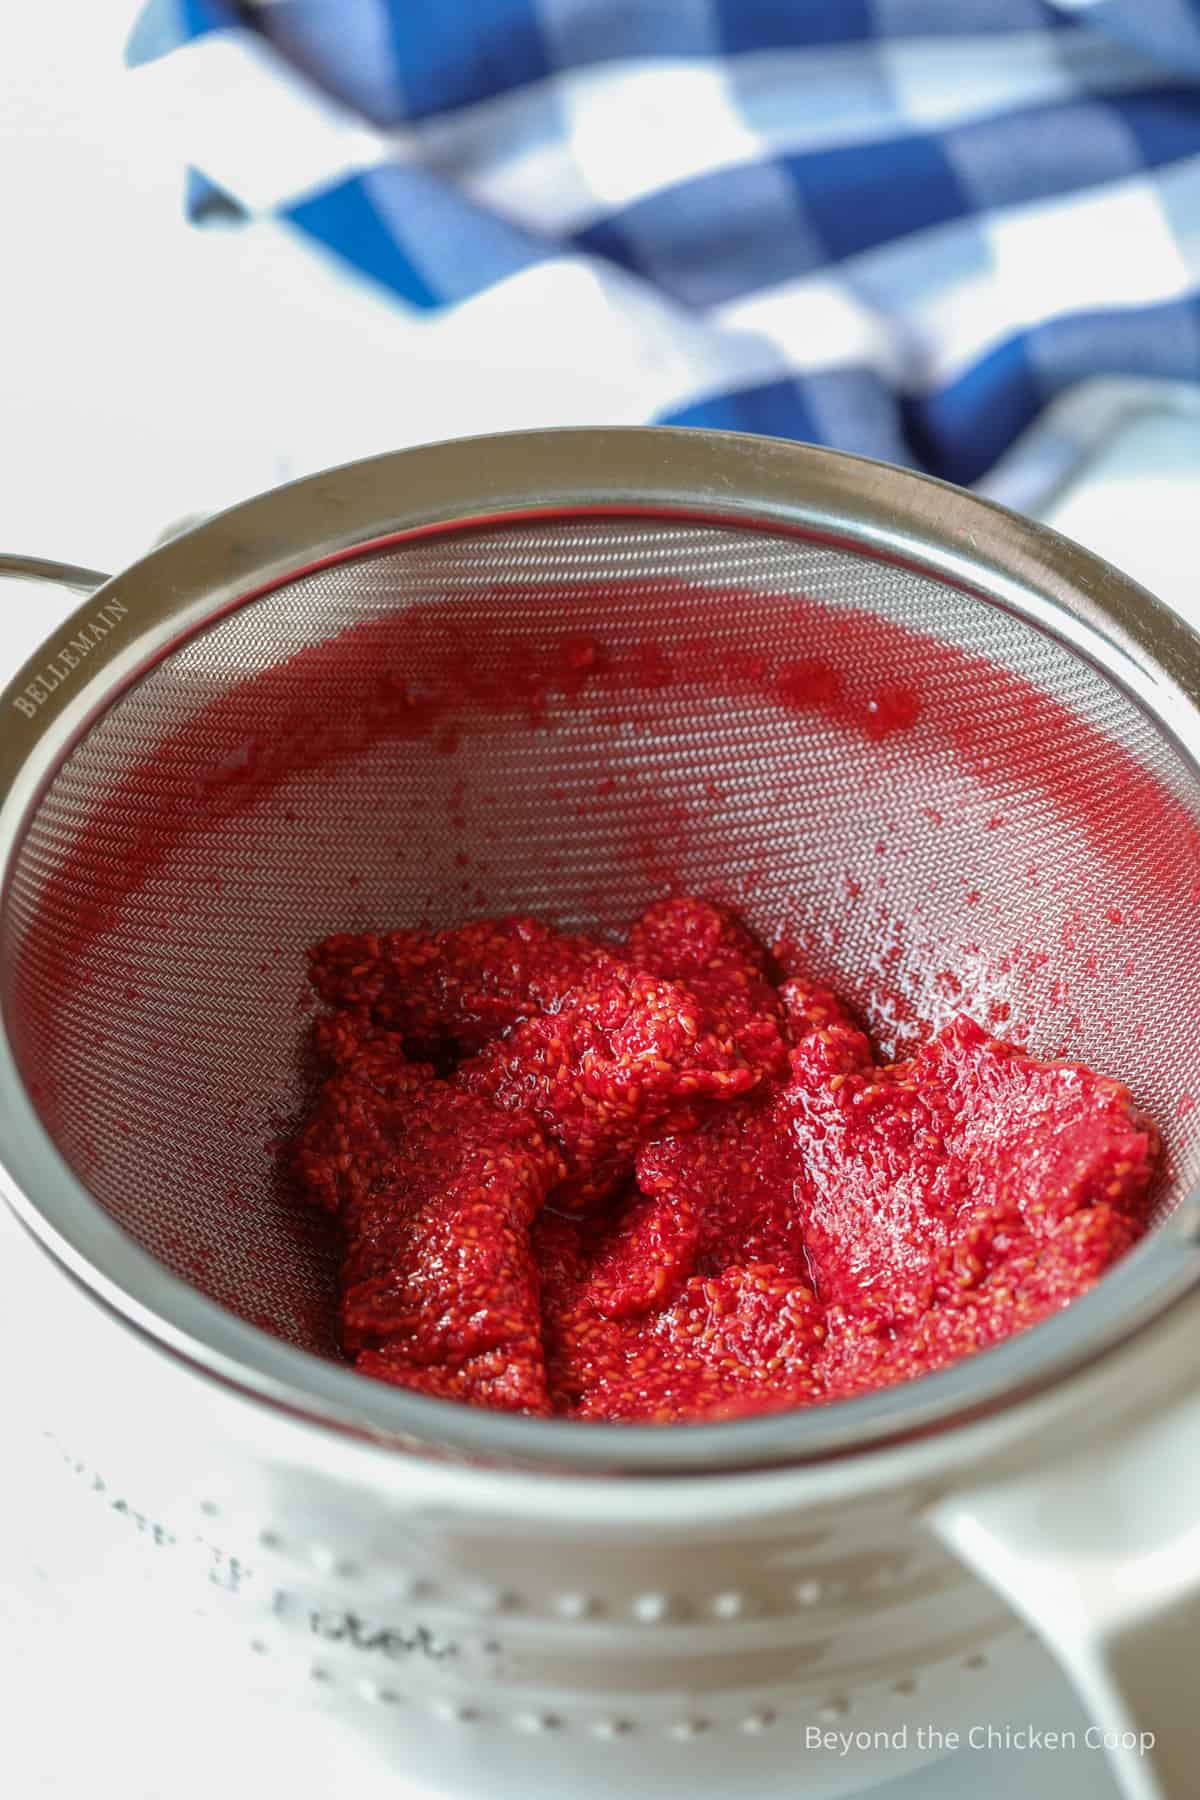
1100	1554
37	568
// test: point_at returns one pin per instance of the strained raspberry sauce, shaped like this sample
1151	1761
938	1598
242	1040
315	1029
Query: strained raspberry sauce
648	1182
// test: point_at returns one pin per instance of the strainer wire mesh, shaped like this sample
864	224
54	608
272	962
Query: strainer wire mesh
930	803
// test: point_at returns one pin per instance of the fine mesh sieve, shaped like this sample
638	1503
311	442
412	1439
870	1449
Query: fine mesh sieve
921	795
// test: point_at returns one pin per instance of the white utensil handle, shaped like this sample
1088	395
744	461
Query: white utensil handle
1101	1555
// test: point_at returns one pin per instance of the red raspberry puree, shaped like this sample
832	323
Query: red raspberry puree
649	1183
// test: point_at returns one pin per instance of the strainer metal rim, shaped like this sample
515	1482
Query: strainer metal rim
869	507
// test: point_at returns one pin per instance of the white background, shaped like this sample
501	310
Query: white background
149	371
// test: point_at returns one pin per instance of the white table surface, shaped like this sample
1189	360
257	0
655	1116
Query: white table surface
150	371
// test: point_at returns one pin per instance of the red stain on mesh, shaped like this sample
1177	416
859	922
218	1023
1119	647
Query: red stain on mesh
813	684
762	1226
481	673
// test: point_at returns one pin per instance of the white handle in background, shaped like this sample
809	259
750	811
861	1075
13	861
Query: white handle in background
1100	1553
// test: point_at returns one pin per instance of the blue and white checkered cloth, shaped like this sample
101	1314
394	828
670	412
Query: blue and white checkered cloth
901	227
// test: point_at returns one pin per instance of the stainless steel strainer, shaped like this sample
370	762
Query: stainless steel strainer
946	757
